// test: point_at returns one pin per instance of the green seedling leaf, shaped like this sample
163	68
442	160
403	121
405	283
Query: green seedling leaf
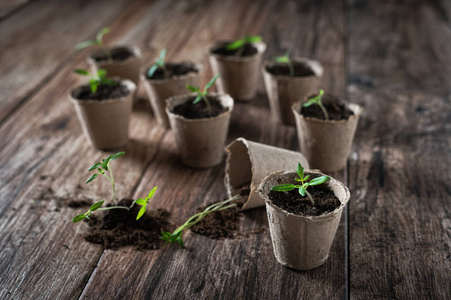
151	193
192	88
117	155
283	187
93	176
95	166
141	202
300	171
162	55
105	162
235	45
317	100
81	72
96	206
211	82
100	34
282	59
152	71
141	212
78	218
302	191
101	73
306	177
198	98
253	38
85	44
319	180
94	85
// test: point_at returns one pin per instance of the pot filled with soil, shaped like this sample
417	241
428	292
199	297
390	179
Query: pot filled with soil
302	230
163	84
248	163
288	82
200	130
239	67
326	130
104	115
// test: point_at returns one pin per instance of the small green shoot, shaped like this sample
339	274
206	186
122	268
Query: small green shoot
95	80
202	95
159	63
286	60
239	44
176	236
97	42
317	100
302	188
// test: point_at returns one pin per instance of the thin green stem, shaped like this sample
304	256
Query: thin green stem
240	51
165	71
290	66
204	96
109	55
310	197
324	110
114	207
112	184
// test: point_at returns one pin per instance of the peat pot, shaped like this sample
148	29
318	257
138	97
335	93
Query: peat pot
302	242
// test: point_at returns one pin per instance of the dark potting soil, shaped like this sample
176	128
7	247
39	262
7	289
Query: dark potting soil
119	227
336	110
104	92
300	69
117	54
200	109
293	202
174	70
249	50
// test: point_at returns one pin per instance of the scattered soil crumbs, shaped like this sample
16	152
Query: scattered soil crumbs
300	69
336	109
104	92
200	109
249	50
293	202
119	227
68	199
174	70
118	54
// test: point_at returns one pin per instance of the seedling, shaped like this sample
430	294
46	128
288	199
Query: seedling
159	63
97	42
317	100
176	236
202	95
239	44
103	168
286	60
95	80
302	188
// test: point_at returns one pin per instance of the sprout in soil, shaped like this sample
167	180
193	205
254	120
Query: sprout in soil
241	43
103	168
202	95
159	63
302	188
95	80
286	60
176	236
97	42
317	100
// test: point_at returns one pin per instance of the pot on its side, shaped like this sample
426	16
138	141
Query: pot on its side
200	141
105	123
159	90
326	144
239	75
302	243
283	91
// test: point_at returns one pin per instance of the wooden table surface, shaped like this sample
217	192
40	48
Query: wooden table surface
391	57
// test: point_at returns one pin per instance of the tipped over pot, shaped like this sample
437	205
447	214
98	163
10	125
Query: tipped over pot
326	143
249	162
302	241
284	89
200	133
239	74
105	115
160	88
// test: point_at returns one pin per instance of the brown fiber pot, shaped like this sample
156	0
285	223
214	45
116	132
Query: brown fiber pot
249	162
283	91
200	141
159	90
129	68
105	123
326	144
239	75
299	242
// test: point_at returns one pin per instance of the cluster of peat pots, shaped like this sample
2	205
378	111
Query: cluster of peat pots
303	207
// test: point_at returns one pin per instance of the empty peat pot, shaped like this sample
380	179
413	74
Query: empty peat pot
239	74
105	122
302	242
200	140
283	89
326	144
160	88
249	162
125	63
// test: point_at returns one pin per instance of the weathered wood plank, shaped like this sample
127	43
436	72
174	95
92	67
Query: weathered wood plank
244	267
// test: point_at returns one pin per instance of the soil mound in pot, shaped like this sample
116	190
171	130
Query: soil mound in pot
119	227
249	50
200	109
300	69
174	70
117	54
104	92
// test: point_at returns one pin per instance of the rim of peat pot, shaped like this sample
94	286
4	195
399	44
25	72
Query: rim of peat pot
261	47
197	72
355	108
135	50
314	65
131	86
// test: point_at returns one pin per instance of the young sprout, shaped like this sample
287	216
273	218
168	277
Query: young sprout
202	95
302	188
176	236
159	63
95	80
286	60
239	44
317	100
97	42
103	168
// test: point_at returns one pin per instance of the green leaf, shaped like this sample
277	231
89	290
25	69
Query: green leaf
96	206
302	191
198	98
141	212
253	38
93	176
162	55
319	180
309	103
192	88
152	71
105	162
151	193
180	242
78	218
297	179
85	44
100	34
107	81
117	155
283	187
282	59
211	82
101	73
94	166
81	72
141	202
306	177
94	85
235	45
300	171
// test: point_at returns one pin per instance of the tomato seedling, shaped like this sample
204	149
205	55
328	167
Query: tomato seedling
159	63
317	100
241	43
202	95
98	41
286	60
95	79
